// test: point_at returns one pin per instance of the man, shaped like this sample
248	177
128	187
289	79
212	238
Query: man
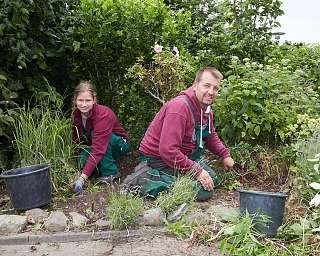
175	140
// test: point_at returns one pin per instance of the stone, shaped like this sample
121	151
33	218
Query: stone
153	217
200	218
11	224
177	214
223	213
103	224
56	222
78	220
37	215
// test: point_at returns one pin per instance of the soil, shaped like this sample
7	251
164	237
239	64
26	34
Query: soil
93	201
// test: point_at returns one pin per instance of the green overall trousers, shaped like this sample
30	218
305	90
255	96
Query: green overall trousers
160	177
117	147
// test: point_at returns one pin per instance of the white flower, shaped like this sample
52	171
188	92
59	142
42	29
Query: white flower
315	185
315	201
175	51
157	48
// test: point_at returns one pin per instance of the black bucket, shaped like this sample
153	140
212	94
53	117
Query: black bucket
29	187
264	203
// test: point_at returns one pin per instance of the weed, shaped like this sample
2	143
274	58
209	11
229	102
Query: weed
183	191
123	209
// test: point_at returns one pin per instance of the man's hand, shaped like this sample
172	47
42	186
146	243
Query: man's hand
228	163
206	181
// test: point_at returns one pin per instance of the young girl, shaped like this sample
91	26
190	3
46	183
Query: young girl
98	127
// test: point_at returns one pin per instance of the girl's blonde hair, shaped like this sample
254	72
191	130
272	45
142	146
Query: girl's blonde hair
84	86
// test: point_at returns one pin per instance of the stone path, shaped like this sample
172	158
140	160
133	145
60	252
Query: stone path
156	245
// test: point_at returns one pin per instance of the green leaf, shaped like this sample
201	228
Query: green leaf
2	77
257	130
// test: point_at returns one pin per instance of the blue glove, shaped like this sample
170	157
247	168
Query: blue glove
78	186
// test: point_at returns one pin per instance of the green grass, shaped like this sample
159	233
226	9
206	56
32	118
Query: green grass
43	135
183	191
123	209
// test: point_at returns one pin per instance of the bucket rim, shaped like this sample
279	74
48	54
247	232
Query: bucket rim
264	193
5	175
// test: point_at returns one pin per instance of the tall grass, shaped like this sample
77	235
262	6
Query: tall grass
43	135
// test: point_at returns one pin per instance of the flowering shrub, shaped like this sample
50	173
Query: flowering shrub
165	76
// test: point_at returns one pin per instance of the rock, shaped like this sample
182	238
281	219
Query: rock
153	217
176	215
200	218
56	222
103	224
37	215
78	220
10	224
223	213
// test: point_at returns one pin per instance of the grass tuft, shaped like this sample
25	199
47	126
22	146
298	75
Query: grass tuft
183	191
123	209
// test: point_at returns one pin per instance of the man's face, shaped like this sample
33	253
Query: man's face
206	89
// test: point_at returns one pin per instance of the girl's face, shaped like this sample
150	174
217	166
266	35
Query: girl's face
85	101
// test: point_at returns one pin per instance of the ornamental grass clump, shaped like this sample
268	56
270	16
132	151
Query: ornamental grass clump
183	191
123	209
43	135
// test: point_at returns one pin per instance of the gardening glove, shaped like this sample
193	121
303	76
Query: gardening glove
78	186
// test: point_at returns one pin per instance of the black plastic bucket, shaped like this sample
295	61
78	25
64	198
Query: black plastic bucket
258	203
29	187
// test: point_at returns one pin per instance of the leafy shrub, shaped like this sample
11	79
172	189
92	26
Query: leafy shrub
303	128
299	56
152	83
258	102
33	46
110	35
123	209
183	191
165	76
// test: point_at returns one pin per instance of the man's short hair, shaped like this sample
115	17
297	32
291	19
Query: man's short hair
213	71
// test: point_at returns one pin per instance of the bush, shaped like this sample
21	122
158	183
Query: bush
258	102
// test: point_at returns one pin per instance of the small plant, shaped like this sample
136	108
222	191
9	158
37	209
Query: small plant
183	191
123	209
180	229
240	237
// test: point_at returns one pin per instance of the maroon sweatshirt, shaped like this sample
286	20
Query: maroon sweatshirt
171	134
101	123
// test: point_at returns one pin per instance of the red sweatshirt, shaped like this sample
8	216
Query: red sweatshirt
101	123
171	134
